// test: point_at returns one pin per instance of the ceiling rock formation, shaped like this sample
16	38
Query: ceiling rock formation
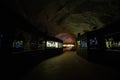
66	37
68	16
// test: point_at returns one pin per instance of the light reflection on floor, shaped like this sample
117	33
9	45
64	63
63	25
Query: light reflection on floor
70	66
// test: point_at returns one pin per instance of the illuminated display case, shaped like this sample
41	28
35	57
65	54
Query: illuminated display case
83	41
18	44
53	44
60	45
78	43
41	44
33	44
112	41
93	42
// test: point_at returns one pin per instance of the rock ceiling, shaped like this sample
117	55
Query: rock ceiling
72	16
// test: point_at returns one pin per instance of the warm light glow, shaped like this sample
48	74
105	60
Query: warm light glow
65	45
70	46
